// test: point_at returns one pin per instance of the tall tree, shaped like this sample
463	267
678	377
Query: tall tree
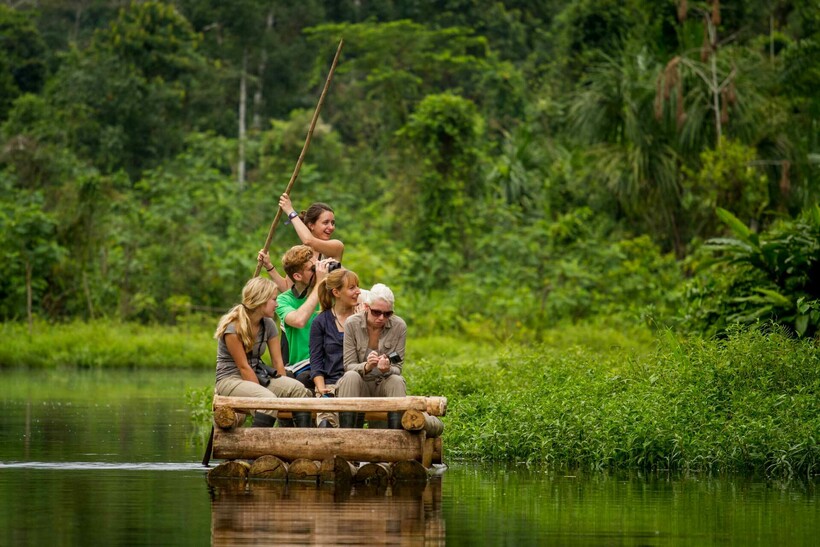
125	101
445	131
22	57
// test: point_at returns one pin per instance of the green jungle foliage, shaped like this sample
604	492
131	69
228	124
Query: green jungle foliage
504	166
754	277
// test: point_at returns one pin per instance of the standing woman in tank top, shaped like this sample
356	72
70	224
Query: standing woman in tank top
315	228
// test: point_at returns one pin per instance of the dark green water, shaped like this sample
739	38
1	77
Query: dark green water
91	458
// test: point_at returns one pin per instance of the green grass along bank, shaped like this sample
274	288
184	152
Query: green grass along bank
587	396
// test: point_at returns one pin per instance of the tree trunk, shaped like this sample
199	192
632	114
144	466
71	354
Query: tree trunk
256	120
716	99
29	313
87	291
243	99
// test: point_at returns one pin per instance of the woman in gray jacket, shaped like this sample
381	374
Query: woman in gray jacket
374	345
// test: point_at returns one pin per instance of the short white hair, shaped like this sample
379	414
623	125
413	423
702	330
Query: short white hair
380	291
364	295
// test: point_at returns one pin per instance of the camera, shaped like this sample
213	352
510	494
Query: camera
394	358
333	265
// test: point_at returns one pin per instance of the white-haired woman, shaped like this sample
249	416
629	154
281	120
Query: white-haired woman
243	334
374	344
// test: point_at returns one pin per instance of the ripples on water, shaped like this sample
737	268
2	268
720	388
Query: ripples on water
103	466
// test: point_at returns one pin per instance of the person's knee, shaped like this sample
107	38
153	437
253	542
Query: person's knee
350	385
395	386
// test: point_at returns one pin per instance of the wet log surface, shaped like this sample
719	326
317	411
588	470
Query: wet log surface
303	470
416	420
289	444
234	469
374	473
268	467
408	471
338	470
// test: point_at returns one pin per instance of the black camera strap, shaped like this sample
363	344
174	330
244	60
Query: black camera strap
258	364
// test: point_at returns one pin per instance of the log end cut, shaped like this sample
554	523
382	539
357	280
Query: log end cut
268	467
233	469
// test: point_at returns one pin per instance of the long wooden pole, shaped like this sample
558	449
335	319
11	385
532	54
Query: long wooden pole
304	151
207	458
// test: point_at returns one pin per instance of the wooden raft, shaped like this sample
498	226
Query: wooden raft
315	454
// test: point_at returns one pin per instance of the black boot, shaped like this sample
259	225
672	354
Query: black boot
325	424
263	420
394	420
359	420
347	419
303	419
285	422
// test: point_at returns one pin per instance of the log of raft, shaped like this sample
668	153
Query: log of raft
373	473
225	417
289	444
417	420
234	469
435	406
268	467
337	470
303	470
408	471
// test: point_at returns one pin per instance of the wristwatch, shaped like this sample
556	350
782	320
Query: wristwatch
291	216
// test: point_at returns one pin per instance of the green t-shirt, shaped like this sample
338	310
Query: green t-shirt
298	339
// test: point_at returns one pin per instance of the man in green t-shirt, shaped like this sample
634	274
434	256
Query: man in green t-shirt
297	306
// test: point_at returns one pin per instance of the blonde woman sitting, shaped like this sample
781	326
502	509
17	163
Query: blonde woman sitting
242	336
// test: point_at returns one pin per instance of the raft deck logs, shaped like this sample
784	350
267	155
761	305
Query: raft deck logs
418	441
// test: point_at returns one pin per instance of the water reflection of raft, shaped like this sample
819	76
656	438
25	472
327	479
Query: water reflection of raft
276	513
320	454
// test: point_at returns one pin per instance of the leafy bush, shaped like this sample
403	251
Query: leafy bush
748	403
771	276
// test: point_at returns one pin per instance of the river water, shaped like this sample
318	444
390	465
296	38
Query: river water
93	458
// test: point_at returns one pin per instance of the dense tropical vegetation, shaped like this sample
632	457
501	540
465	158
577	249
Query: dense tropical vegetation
509	168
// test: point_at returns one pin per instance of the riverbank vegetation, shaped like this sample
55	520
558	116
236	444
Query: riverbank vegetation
744	403
583	186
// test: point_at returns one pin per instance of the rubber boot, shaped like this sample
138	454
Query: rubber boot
303	419
394	420
263	420
285	422
325	424
359	420
347	419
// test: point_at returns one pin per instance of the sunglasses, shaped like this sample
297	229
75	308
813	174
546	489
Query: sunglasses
379	313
